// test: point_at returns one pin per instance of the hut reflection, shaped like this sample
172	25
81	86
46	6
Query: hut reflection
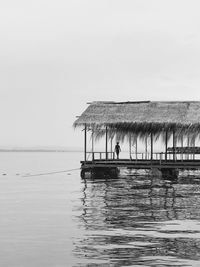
115	201
126	217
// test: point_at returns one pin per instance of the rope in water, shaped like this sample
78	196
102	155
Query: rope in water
48	173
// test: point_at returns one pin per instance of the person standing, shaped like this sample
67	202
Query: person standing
117	149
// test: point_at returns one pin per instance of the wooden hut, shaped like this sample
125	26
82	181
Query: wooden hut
176	121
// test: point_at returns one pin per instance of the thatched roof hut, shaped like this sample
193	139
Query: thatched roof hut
143	118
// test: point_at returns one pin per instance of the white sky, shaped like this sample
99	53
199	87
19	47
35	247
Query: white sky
56	55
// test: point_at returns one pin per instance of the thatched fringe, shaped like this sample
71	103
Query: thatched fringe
123	132
141	119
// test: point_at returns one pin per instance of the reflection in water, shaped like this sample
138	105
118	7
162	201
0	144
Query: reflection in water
139	220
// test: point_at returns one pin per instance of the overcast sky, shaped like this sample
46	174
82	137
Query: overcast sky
56	55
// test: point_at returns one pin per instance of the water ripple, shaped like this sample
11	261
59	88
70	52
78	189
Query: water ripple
138	220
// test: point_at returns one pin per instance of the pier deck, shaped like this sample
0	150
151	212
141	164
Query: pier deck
142	164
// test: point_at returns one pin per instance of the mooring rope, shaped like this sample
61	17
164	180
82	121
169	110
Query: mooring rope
48	173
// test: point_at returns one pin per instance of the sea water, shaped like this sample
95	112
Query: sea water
49	216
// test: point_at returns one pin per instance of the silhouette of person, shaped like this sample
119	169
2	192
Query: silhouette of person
117	149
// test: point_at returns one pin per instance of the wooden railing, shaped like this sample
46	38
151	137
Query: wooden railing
111	156
160	156
100	155
147	156
184	150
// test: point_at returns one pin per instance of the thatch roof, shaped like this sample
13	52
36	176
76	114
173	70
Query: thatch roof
142	117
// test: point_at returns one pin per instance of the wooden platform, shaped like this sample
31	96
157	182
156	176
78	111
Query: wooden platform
142	164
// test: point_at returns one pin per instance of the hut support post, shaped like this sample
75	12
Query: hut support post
92	144
85	143
111	146
166	140
136	147
146	156
106	143
151	146
130	145
188	144
174	145
182	147
194	149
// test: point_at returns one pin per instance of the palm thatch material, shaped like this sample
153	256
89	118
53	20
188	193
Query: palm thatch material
142	118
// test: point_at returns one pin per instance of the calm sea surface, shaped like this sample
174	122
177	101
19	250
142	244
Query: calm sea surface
62	220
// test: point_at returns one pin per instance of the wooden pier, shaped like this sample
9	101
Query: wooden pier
166	168
177	124
142	164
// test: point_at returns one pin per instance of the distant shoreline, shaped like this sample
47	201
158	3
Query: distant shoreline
38	150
